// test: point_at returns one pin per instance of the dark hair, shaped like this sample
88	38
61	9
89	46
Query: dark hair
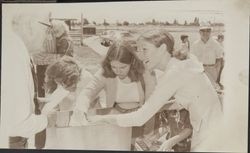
66	71
124	52
220	36
159	37
183	37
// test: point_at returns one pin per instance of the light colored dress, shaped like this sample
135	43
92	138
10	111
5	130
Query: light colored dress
187	82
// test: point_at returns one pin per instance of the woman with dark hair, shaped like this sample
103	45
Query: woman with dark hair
122	78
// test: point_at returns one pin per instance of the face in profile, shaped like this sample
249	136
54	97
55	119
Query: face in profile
120	69
205	34
149	54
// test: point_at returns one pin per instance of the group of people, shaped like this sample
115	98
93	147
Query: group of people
124	95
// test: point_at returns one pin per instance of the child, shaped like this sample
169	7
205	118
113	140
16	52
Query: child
179	130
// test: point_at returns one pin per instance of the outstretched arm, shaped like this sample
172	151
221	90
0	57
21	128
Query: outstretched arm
166	88
56	97
90	92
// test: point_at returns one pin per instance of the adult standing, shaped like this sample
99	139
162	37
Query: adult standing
19	83
209	53
57	43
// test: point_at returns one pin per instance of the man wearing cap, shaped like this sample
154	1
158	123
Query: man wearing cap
209	52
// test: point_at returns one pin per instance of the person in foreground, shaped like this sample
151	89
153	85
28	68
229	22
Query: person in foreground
121	77
184	80
21	120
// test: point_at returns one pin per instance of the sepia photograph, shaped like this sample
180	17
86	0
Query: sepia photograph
169	76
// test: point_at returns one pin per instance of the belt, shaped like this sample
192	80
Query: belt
208	64
123	110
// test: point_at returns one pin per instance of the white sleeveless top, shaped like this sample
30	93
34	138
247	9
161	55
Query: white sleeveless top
127	92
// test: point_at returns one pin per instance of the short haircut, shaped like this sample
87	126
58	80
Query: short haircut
66	71
159	37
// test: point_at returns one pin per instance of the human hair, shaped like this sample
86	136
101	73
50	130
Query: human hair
183	37
64	71
158	37
60	25
124	52
220	36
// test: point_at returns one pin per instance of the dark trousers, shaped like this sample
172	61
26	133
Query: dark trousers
40	138
40	79
18	142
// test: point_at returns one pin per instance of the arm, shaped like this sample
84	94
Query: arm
168	144
218	63
166	88
17	92
219	57
57	96
43	99
90	92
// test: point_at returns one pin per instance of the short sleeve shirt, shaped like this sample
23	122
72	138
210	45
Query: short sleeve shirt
208	52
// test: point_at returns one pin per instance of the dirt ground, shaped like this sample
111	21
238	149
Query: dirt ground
88	58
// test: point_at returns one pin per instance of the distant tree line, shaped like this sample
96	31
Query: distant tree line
175	22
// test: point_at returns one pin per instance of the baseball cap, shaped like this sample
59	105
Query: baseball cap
205	26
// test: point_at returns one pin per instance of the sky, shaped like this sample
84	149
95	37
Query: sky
135	11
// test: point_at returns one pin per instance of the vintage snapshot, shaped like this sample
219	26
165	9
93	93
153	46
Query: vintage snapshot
166	76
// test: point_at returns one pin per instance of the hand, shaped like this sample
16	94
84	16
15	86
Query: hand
51	120
166	146
101	119
43	99
48	109
78	118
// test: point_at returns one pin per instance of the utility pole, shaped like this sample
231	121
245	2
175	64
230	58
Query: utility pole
81	30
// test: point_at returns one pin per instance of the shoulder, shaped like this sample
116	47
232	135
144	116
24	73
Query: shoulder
64	41
99	77
85	73
214	42
197	42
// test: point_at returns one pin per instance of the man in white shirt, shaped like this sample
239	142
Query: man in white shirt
18	119
209	53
